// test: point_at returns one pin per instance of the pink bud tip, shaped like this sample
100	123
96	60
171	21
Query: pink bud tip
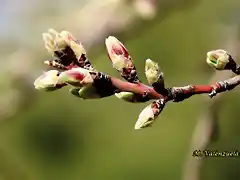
76	75
115	47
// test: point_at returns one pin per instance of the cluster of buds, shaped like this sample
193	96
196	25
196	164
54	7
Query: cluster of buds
74	70
66	50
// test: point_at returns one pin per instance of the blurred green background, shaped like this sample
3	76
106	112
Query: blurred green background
55	136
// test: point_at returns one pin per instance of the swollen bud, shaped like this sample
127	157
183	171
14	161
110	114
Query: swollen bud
121	60
149	114
60	43
47	80
117	53
218	59
53	41
153	73
76	46
48	42
77	77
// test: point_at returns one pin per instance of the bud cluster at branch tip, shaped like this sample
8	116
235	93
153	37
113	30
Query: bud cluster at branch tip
67	51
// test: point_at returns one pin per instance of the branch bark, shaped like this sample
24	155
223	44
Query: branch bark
176	93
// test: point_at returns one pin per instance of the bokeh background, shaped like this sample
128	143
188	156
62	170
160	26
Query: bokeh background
55	136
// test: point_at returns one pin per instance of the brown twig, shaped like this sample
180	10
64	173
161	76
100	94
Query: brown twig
177	93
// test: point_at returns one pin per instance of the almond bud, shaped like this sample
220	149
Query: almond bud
76	46
121	59
149	114
47	80
218	59
153	72
77	77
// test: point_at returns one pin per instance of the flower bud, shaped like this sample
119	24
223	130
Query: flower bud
149	114
218	59
76	46
153	73
121	59
47	80
53	41
60	43
118	53
48	42
77	77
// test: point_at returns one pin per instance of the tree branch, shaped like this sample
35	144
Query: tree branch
177	93
88	83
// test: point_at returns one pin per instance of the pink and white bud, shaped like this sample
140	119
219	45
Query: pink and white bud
121	59
53	41
149	114
76	46
118	54
77	77
47	80
48	43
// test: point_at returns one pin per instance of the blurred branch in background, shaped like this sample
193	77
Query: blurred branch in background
207	129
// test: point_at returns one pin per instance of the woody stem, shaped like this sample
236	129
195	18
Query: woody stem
177	93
